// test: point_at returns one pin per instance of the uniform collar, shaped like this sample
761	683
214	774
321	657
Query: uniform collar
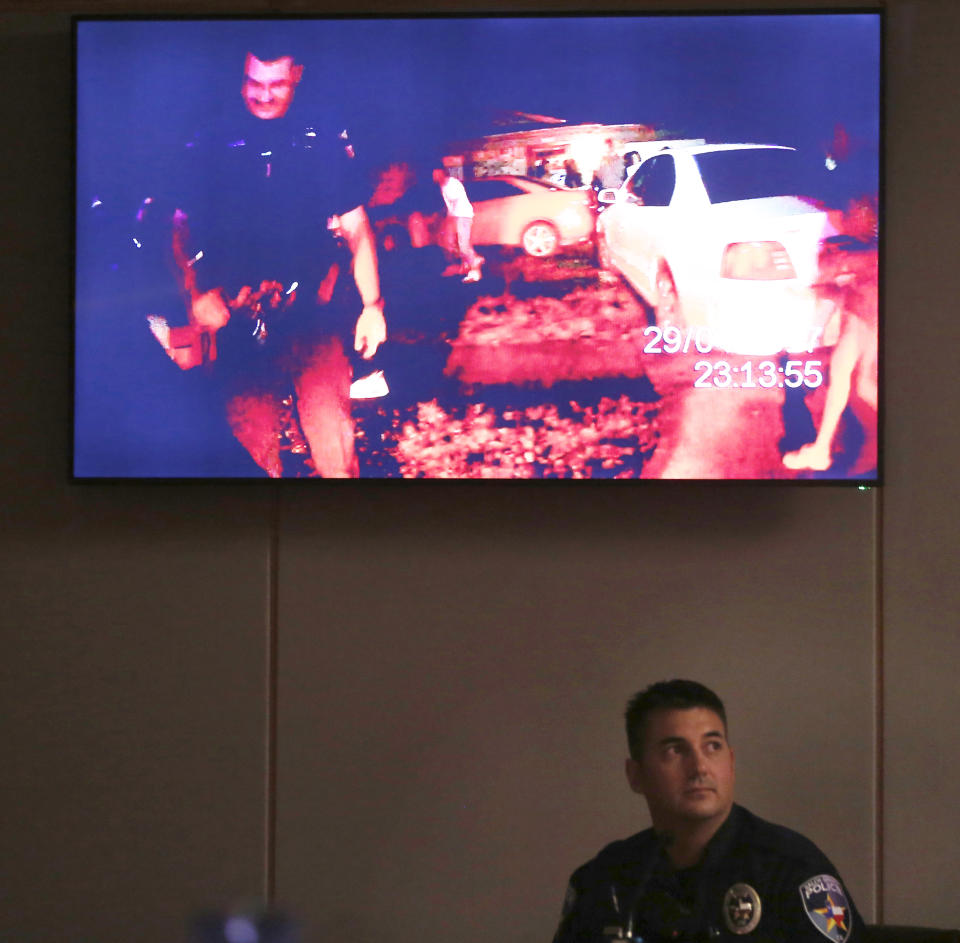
723	840
718	846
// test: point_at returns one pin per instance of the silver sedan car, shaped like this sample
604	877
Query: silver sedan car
536	216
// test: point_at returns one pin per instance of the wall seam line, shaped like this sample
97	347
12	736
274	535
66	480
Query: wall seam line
270	810
880	718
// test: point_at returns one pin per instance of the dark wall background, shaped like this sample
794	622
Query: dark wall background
397	709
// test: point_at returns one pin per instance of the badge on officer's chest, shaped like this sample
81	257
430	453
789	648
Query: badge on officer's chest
741	909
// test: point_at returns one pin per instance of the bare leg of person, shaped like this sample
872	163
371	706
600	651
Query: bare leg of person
816	456
471	259
323	402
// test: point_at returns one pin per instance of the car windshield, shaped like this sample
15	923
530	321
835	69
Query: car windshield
753	173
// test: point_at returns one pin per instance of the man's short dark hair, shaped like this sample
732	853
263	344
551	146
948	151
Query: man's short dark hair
272	51
677	694
272	40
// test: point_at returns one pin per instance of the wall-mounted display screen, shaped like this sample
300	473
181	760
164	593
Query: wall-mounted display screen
626	247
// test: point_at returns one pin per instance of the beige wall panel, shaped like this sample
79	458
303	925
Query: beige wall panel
411	684
133	644
133	687
922	540
454	663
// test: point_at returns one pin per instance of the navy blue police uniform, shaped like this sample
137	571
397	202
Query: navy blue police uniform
259	202
259	199
756	882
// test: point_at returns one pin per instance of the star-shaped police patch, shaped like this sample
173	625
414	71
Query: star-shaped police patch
826	904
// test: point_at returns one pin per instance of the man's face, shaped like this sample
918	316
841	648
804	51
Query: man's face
268	87
686	770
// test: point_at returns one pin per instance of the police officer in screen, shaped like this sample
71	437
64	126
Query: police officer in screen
279	264
708	869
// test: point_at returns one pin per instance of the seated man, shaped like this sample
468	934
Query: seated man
708	869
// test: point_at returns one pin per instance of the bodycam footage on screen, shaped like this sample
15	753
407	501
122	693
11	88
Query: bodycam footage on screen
478	247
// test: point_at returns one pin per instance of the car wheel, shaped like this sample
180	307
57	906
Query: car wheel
540	239
668	301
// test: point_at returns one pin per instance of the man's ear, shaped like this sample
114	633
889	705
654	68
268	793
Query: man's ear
297	74
634	775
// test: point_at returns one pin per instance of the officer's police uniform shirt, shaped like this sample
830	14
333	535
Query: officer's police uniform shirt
259	196
757	883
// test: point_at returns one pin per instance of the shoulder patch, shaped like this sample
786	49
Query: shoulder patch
741	909
825	903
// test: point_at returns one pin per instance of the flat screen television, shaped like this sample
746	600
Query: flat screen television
551	246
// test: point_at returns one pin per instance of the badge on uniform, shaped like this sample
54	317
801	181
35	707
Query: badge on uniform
826	904
741	909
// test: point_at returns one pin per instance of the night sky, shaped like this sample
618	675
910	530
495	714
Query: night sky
414	85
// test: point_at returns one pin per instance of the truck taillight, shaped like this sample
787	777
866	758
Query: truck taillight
760	261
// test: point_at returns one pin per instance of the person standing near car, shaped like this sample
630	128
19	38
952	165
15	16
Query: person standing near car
610	172
631	161
848	278
572	178
460	213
